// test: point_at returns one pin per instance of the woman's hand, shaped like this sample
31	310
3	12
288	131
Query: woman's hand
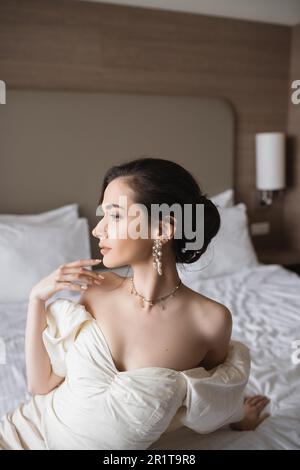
65	278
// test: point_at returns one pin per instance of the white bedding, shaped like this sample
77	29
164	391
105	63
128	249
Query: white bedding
265	304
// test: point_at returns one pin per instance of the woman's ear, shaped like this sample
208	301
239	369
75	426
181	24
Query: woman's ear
168	227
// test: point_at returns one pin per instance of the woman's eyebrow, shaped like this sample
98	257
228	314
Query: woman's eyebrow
111	206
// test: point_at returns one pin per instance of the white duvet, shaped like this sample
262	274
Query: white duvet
265	304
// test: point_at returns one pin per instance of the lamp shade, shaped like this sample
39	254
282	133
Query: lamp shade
270	160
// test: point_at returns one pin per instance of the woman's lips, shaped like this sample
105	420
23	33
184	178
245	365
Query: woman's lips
104	250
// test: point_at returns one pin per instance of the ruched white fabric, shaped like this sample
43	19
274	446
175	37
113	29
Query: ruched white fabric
99	407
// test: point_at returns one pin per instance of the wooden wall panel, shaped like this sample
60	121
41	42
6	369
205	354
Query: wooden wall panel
73	45
292	199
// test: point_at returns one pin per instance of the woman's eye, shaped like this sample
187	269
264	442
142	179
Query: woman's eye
115	216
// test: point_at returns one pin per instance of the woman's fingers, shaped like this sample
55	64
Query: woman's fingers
82	278
69	286
85	271
56	281
82	262
75	271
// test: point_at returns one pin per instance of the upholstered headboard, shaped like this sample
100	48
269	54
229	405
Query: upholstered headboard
56	146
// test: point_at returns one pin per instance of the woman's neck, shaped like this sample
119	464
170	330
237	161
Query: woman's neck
150	284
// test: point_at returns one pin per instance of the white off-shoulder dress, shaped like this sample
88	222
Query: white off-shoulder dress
99	407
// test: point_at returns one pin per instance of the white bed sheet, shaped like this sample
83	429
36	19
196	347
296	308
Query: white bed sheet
265	304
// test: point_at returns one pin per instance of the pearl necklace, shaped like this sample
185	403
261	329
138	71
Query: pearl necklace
151	302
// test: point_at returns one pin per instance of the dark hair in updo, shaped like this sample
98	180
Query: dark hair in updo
158	181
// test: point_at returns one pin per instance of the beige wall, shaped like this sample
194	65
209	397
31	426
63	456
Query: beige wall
63	45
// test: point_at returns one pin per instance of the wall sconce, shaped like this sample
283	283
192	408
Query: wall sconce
270	165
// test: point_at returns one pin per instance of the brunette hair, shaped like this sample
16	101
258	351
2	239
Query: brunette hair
158	181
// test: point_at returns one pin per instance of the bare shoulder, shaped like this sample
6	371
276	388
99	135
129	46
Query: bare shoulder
214	323
92	295
211	316
220	316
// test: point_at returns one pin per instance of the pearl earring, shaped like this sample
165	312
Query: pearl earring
157	254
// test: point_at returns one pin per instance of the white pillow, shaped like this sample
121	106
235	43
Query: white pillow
30	252
224	199
64	214
228	252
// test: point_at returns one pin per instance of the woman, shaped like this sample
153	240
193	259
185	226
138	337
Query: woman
135	354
